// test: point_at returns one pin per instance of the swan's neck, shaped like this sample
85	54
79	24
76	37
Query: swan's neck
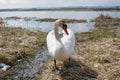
57	36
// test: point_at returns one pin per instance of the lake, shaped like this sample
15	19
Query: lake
47	26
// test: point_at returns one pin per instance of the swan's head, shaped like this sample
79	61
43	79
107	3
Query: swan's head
62	23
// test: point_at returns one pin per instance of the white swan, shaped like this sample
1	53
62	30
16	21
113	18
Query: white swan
60	48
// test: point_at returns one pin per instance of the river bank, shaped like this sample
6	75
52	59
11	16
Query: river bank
96	55
18	46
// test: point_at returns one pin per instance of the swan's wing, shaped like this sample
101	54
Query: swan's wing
51	42
69	41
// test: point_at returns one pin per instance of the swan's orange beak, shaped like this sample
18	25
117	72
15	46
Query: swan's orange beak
65	29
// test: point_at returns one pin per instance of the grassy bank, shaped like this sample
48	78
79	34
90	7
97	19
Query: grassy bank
18	43
97	56
67	20
105	20
100	50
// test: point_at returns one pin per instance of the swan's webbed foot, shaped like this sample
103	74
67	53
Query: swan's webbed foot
69	66
56	69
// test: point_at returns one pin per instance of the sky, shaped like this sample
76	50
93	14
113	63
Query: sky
55	3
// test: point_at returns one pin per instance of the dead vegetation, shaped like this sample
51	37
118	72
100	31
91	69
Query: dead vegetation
97	57
96	54
102	53
67	20
13	18
104	20
17	42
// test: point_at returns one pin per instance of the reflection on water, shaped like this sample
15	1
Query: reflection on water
47	26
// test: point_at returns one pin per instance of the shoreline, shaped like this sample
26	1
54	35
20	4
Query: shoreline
85	43
91	53
13	10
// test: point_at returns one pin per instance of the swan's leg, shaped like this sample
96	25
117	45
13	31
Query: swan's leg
56	69
55	65
69	61
69	66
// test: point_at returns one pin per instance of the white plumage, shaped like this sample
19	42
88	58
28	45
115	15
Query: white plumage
60	48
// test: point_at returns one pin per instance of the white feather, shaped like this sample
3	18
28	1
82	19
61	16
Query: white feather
61	49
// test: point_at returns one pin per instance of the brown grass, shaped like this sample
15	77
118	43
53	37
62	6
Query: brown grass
15	42
67	20
13	18
104	20
96	57
96	54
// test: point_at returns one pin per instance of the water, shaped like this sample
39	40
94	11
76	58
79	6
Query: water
29	70
47	26
60	14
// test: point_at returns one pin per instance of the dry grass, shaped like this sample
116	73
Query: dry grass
67	20
104	20
15	42
97	56
78	72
